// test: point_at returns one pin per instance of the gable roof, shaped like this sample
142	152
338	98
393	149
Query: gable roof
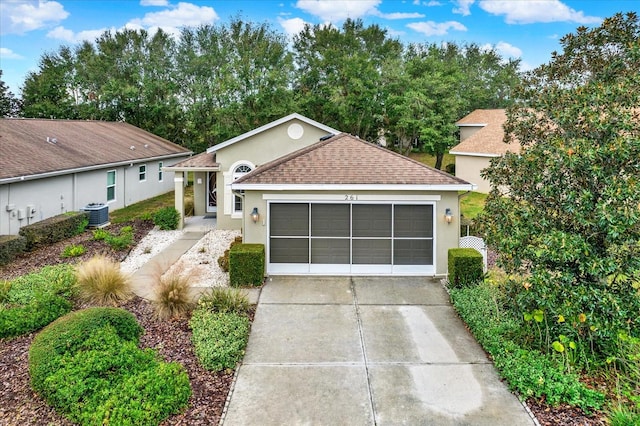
344	161
271	125
488	141
32	148
205	161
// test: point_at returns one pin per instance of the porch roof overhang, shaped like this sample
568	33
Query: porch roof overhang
203	162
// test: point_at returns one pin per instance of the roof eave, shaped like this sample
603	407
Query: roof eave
352	187
474	154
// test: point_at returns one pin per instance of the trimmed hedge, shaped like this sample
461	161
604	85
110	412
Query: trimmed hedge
10	247
88	366
54	229
465	267
246	265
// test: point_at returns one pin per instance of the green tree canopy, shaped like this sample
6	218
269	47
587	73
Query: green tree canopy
9	105
566	210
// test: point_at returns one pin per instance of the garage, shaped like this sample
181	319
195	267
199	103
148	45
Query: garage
350	238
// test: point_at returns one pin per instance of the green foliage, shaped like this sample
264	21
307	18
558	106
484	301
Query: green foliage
54	229
172	296
144	209
465	267
104	377
10	247
472	204
528	371
120	241
9	104
223	299
100	280
571	221
33	301
73	250
166	218
219	338
246	264
100	234
223	261
625	366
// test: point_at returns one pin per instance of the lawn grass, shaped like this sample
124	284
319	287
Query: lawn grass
430	160
146	208
472	204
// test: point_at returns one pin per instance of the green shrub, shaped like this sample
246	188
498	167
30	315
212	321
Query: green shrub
224	299
32	301
122	240
465	267
223	261
73	250
10	247
172	296
100	234
219	338
54	229
103	378
246	264
166	218
100	281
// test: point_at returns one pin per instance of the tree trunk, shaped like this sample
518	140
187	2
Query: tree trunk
439	157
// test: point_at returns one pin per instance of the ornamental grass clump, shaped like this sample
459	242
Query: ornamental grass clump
100	281
224	299
172	298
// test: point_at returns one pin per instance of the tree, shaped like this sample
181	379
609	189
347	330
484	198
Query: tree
566	210
9	105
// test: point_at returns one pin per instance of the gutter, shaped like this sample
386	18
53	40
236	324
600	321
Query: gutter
87	168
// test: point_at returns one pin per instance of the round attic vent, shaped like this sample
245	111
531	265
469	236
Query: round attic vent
295	131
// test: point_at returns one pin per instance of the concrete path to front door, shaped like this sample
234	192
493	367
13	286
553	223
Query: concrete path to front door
365	351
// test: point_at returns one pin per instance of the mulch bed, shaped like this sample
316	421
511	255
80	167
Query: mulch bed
20	405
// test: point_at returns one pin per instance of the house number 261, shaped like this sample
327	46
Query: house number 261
351	198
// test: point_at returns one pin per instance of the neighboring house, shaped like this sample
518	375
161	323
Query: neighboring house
324	202
49	167
481	139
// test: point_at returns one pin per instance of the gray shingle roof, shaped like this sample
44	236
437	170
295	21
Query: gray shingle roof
36	146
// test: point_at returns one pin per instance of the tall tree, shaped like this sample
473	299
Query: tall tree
339	75
9	105
567	209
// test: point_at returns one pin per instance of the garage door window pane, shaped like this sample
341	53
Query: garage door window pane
289	220
372	252
371	220
289	250
333	251
413	221
330	220
413	252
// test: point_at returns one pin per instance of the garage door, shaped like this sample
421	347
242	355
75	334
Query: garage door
353	238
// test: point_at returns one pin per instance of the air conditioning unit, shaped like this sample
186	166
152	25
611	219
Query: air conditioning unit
98	214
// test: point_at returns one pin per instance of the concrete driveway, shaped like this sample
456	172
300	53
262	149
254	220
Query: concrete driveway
365	351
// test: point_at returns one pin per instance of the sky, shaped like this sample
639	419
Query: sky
525	29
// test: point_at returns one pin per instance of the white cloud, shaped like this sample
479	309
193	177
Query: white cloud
463	7
397	15
18	17
9	54
433	3
338	10
154	3
431	28
64	34
504	49
292	26
185	14
529	12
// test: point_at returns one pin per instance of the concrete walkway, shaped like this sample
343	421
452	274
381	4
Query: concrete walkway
365	351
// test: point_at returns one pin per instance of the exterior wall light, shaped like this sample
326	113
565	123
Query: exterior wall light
255	216
448	216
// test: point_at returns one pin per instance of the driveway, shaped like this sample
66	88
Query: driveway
365	351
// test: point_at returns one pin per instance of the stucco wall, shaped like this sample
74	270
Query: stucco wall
469	168
59	194
447	235
467	131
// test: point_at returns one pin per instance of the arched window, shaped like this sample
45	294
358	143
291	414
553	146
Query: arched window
238	172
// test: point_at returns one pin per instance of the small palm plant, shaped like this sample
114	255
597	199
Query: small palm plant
100	281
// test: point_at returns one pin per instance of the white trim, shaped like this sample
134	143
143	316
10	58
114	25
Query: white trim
351	187
115	185
142	176
474	154
341	197
271	125
472	124
228	196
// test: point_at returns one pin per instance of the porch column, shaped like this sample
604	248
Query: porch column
178	181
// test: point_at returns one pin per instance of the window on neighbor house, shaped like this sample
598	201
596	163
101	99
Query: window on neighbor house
111	185
239	171
142	173
160	171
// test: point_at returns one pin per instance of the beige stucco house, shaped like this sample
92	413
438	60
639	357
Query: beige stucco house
481	139
49	167
324	202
